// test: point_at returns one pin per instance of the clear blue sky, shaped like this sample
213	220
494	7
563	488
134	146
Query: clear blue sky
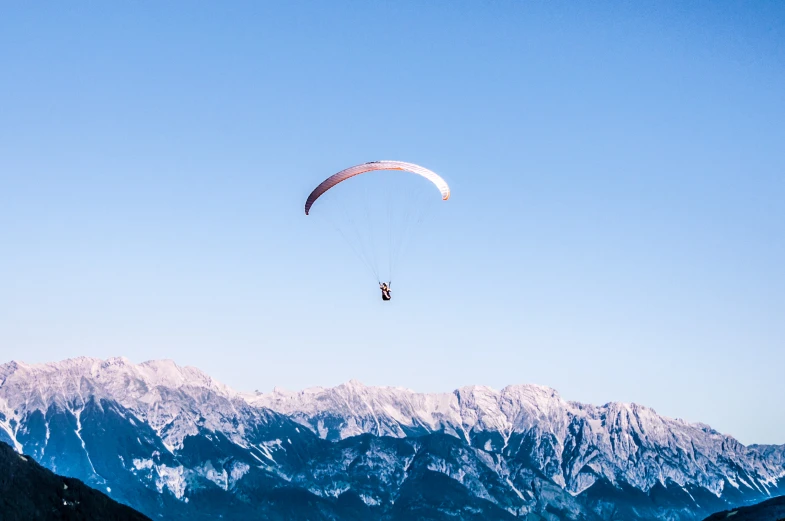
616	229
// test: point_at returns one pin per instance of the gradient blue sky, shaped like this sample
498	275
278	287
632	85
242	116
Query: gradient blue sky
616	228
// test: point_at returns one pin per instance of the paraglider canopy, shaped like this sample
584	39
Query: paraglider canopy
371	166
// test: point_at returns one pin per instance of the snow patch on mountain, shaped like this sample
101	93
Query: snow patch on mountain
171	478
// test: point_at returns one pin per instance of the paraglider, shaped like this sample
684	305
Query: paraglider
389	217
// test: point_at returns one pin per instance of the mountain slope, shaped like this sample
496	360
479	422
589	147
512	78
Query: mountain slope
30	492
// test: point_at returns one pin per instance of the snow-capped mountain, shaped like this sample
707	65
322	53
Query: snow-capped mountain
577	444
174	443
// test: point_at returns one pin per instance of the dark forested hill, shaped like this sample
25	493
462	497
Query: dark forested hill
769	510
29	492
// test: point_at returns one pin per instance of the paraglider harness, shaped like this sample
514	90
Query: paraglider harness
385	290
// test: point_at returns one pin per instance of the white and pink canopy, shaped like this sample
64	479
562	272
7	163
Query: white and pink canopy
343	175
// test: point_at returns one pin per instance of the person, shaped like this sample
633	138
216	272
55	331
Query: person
385	291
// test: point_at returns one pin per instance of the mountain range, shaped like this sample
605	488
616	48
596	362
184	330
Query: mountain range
174	443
